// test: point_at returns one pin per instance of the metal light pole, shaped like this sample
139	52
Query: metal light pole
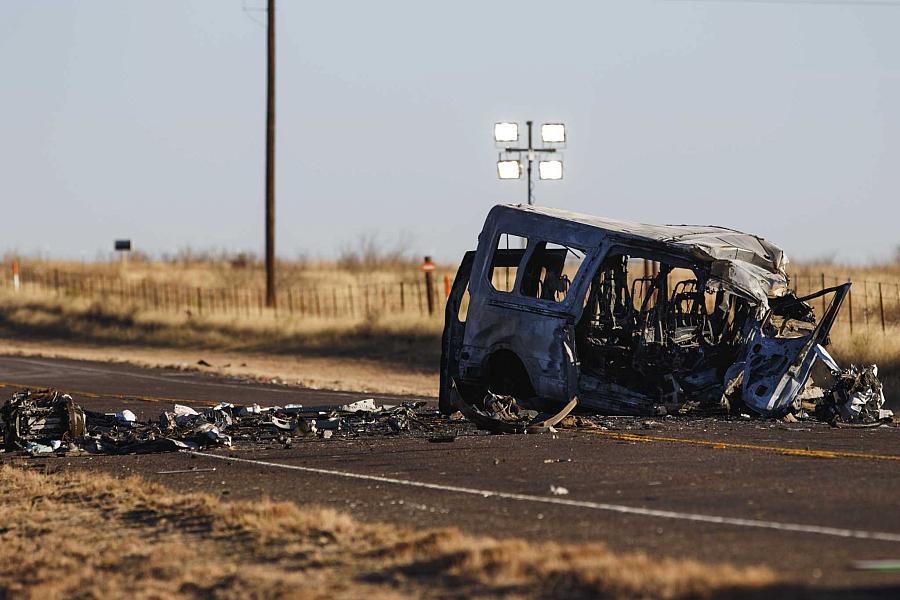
270	158
510	168
530	159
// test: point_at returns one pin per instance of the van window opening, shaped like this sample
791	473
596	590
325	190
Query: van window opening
548	274
508	253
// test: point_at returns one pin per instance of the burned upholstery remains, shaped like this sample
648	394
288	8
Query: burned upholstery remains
631	318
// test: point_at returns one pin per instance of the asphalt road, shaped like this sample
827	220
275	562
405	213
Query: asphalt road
806	499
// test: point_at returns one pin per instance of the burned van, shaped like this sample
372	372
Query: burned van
632	319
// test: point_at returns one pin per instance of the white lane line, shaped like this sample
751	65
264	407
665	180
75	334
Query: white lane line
206	383
617	508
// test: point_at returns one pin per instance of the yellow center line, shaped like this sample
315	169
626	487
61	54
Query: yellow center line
115	396
635	437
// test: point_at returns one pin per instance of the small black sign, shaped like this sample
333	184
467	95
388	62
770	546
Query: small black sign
123	245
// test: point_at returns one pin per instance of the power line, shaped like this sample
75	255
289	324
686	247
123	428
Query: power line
249	10
786	2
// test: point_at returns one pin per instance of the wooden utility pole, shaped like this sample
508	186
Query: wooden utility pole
270	159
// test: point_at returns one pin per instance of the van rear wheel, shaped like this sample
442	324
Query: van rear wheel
507	376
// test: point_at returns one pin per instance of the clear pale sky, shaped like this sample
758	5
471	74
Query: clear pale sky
145	119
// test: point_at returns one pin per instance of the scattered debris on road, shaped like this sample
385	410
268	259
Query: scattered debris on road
47	421
50	422
503	414
367	405
857	396
41	421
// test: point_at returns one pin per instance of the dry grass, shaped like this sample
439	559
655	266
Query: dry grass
887	271
92	536
405	339
405	342
396	354
365	264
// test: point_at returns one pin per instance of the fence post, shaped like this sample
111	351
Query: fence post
199	301
428	268
850	304
334	306
402	298
881	306
419	296
15	274
350	299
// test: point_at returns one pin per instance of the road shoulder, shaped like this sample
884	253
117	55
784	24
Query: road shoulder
333	373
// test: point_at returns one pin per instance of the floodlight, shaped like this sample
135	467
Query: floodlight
509	169
553	133
550	169
506	132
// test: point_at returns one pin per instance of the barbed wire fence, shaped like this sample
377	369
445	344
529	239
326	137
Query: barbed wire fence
871	306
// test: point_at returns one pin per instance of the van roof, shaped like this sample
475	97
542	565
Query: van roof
723	240
754	256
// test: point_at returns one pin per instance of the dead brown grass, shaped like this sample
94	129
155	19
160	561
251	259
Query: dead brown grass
375	351
92	536
354	267
405	339
886	271
394	354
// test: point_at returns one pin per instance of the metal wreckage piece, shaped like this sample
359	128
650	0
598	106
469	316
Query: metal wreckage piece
46	421
505	414
653	320
30	418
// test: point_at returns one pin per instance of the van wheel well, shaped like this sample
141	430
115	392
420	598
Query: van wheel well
506	374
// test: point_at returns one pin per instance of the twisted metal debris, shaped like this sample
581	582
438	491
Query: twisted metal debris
45	421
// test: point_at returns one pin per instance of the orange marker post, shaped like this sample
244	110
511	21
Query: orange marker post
15	273
447	286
